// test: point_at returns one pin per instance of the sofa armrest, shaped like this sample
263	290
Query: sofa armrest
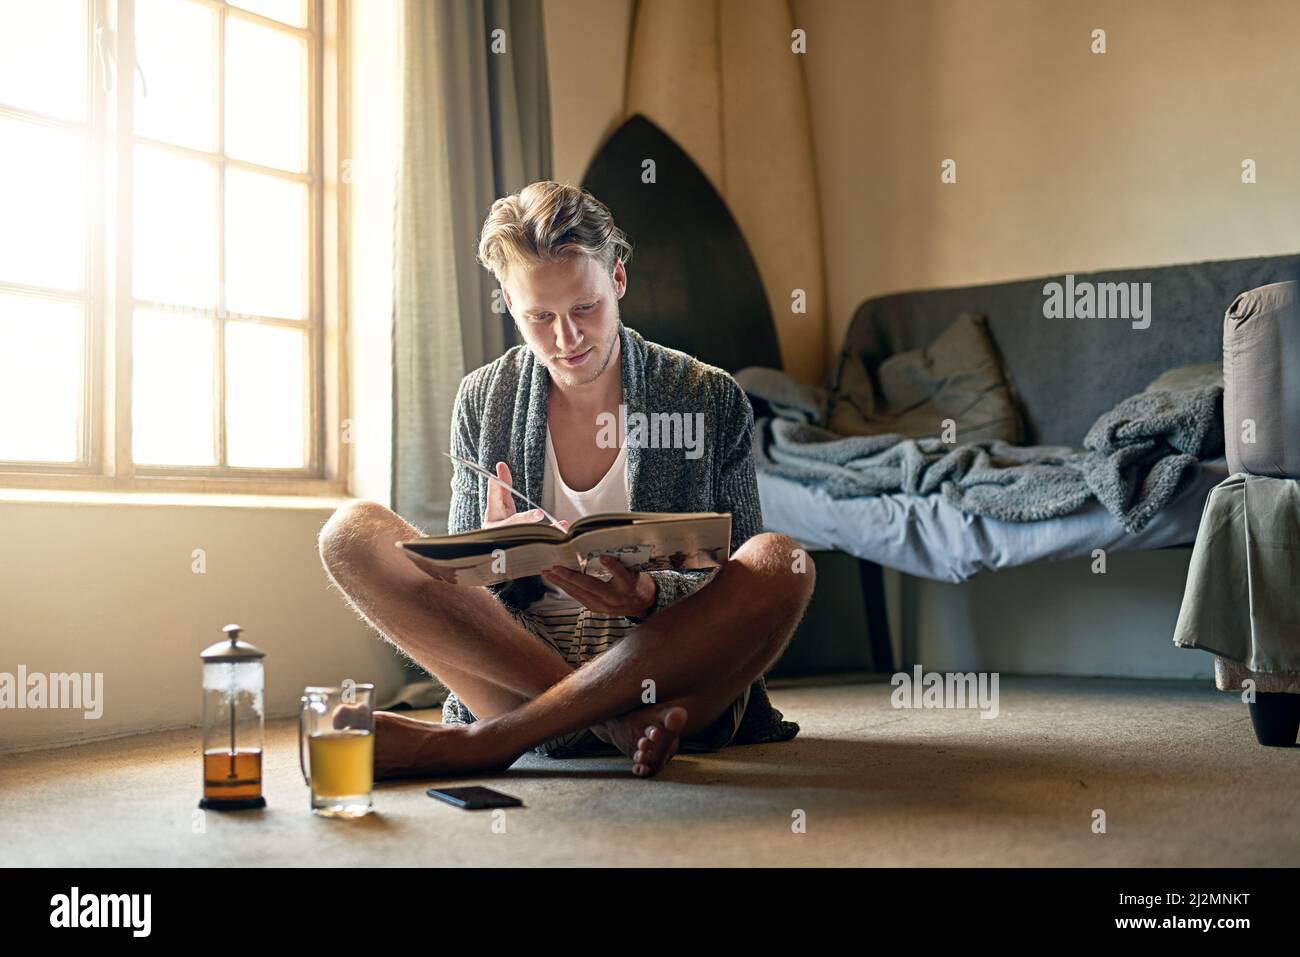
1261	381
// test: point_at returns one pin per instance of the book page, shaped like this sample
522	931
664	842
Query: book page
691	543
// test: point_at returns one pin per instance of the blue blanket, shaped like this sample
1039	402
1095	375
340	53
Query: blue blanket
1134	459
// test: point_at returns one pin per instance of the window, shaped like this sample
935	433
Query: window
169	315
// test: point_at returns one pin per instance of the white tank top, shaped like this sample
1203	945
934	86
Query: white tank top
610	494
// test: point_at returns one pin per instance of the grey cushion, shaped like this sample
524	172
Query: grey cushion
956	377
1261	381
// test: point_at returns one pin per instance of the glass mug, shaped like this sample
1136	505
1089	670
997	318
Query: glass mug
338	757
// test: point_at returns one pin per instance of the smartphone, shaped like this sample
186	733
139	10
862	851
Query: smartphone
474	798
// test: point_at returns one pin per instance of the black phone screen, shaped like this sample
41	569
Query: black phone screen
474	798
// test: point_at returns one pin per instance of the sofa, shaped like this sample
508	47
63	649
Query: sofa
1064	374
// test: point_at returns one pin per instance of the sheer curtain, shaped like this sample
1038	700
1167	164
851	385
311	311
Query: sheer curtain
476	126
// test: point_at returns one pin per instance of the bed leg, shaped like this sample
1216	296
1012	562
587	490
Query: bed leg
872	578
1276	717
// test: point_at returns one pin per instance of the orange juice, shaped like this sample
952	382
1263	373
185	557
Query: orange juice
342	764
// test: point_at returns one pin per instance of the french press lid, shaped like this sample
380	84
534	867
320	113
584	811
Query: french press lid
233	649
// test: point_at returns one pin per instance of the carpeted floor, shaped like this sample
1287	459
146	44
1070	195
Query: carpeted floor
1174	766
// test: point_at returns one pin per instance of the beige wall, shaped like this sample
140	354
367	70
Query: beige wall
586	55
1066	160
105	586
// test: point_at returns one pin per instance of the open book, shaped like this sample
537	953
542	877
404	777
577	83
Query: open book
642	541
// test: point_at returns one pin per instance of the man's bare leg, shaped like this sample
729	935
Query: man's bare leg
357	548
430	620
462	635
748	612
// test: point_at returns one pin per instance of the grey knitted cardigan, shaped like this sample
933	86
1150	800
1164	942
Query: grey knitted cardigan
500	416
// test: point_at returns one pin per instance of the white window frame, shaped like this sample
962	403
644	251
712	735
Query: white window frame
106	419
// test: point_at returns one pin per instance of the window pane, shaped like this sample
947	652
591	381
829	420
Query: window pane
43	56
41	371
42	205
292	12
173	388
175	229
266	102
266	245
266	395
176	100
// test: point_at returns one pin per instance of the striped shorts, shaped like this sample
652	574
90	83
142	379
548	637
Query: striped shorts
580	634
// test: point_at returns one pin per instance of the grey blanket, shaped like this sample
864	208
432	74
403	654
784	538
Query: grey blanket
1134	460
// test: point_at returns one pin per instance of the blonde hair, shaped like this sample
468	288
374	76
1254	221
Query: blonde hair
546	221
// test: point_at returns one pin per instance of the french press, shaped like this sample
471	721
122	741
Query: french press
233	724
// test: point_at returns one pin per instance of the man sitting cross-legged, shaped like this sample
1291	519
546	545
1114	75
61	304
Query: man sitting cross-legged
565	663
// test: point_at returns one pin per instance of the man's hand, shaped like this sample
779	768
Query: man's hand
624	593
501	505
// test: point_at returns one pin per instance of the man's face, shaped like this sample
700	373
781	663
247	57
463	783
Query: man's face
567	313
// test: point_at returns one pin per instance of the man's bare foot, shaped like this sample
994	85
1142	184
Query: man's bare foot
626	731
649	736
405	747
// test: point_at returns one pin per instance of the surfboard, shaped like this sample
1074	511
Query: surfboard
692	283
720	79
